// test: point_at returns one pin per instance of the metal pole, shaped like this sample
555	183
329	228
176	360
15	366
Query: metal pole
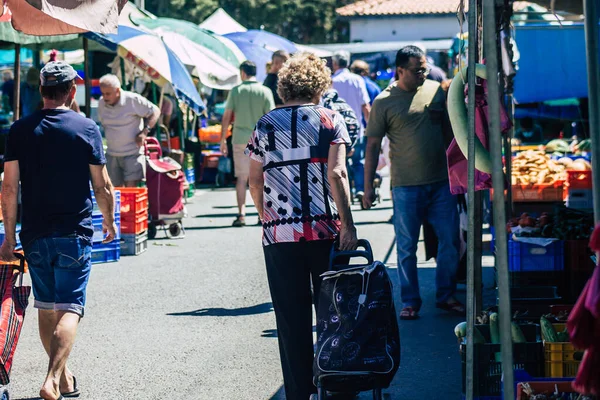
88	78
471	288
490	40
590	8
478	244
123	76
508	155
17	93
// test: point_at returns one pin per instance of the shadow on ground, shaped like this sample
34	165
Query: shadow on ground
227	312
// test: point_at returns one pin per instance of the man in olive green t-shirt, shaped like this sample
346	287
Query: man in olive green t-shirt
412	113
246	102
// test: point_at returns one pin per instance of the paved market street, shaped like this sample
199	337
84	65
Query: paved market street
192	319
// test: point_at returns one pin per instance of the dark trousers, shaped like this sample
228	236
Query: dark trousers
290	268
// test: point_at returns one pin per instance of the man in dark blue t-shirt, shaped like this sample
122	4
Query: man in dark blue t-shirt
54	153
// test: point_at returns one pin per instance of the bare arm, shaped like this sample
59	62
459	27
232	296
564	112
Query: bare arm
257	185
340	190
371	160
105	196
366	110
151	122
10	193
225	122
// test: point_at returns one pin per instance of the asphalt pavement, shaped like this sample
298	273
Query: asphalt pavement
192	319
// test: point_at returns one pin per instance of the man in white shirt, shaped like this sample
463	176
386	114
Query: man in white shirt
127	118
352	88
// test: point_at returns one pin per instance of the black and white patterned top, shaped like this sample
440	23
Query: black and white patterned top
293	145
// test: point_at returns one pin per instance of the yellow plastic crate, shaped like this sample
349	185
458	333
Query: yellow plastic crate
559	358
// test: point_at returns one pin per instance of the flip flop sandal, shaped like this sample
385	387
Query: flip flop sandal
454	307
75	392
409	313
239	221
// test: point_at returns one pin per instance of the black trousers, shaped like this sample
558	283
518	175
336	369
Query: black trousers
290	268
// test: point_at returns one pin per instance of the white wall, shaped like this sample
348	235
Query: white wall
403	28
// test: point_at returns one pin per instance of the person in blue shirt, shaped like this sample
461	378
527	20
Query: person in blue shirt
360	67
31	100
54	153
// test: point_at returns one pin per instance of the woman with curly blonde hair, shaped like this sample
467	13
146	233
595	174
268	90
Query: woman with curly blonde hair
299	184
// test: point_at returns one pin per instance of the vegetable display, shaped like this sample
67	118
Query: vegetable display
563	224
533	167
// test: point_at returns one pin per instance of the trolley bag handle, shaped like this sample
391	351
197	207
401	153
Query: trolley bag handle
21	267
335	254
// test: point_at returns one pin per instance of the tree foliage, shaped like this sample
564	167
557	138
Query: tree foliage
302	21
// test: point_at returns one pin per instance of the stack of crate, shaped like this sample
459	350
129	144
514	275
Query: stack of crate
105	252
190	174
580	193
134	221
3	234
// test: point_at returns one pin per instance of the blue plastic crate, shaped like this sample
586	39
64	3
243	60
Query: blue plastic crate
527	257
190	175
96	210
18	230
98	234
105	253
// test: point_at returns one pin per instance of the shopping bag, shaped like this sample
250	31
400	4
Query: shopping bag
12	312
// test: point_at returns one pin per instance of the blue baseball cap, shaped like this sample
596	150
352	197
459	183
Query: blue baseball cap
57	72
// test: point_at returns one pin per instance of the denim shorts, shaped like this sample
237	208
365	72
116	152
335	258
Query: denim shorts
60	268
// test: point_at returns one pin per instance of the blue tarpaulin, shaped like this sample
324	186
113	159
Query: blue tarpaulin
552	64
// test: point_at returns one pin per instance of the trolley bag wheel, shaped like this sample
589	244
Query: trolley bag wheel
152	230
175	229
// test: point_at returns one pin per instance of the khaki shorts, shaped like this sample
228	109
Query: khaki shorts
125	169
241	161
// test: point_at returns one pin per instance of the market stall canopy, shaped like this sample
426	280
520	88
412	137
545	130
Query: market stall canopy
132	13
9	37
222	23
212	70
257	54
547	67
262	38
314	50
381	47
60	17
215	43
149	53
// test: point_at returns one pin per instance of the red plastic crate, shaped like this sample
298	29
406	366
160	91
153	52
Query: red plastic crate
135	225
579	179
541	387
543	193
133	201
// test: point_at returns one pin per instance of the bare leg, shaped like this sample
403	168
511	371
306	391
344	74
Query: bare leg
240	188
61	343
47	324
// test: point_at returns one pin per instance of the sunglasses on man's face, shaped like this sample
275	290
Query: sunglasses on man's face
419	71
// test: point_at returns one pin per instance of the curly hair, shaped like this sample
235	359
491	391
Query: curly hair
303	77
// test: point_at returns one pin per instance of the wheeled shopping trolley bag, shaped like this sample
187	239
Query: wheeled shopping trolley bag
15	298
358	341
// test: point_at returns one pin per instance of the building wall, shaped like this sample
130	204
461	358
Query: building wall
403	28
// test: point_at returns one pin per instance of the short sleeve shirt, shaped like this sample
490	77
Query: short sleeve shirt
123	121
54	149
413	122
353	89
249	101
293	145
